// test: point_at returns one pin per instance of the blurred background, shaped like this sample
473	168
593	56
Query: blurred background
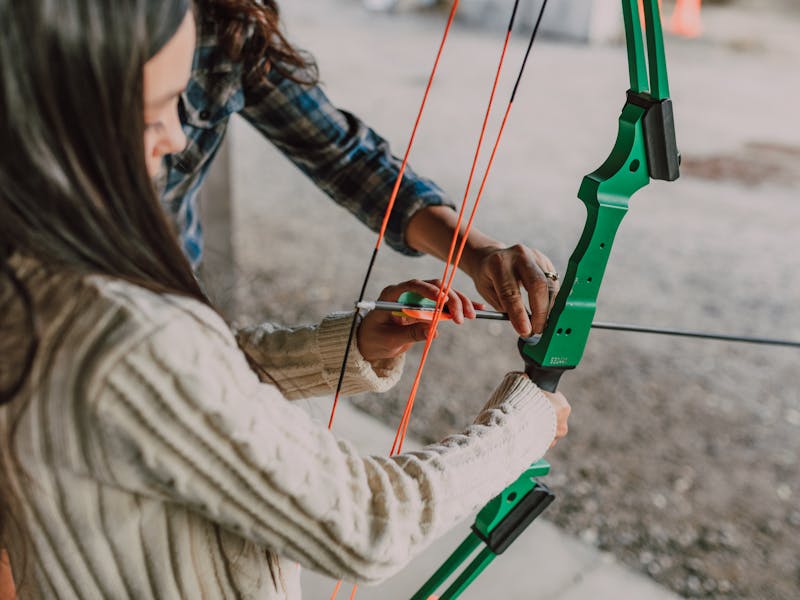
682	456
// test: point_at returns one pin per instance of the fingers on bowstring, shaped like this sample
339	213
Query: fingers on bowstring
428	289
418	332
467	305
457	303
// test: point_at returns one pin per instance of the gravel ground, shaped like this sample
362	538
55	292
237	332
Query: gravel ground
682	454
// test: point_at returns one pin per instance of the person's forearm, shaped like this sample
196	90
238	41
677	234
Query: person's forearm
304	361
431	231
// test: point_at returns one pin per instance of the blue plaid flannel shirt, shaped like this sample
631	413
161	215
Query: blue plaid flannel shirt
344	157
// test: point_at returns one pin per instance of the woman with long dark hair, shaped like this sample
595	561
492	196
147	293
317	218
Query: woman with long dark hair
145	449
245	65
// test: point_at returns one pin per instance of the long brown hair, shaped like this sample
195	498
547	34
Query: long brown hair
75	194
250	33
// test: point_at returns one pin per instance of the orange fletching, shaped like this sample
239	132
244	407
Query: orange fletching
420	315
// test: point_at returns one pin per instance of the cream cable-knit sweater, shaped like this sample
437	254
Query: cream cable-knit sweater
150	461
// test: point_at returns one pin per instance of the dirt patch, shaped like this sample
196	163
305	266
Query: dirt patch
757	163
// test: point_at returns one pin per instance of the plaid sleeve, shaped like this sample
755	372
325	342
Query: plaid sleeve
345	158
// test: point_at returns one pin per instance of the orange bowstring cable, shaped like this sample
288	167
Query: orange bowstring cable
445	288
396	447
338	585
384	225
438	311
401	432
399	179
336	589
449	264
390	206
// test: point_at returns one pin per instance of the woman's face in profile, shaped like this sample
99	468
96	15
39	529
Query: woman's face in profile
165	77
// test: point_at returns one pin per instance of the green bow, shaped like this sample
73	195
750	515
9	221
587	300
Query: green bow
645	149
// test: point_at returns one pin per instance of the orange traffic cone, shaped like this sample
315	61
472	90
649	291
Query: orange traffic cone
641	12
685	19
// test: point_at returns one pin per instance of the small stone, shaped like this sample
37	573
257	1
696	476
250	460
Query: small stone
685	479
608	558
784	492
658	533
774	526
694	585
660	501
682	485
589	536
724	586
793	417
729	535
687	537
794	518
712	538
695	564
591	506
626	538
646	557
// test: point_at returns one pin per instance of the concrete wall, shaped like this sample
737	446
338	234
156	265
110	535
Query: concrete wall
591	21
218	272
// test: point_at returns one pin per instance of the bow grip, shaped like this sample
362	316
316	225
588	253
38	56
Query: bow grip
545	377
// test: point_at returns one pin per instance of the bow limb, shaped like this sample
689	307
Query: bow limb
645	149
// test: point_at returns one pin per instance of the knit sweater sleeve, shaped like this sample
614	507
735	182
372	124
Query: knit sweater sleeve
305	361
181	417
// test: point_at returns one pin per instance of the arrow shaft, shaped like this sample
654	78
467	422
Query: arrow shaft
409	309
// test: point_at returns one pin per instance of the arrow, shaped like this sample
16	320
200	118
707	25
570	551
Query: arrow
424	312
